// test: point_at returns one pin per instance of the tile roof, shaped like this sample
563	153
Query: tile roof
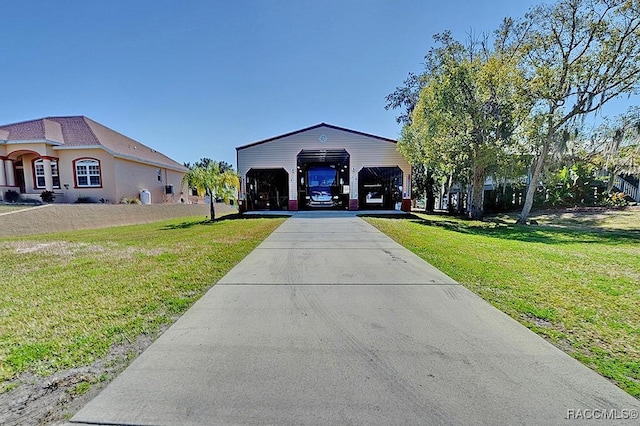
80	131
27	130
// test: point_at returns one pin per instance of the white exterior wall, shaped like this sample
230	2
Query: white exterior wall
364	151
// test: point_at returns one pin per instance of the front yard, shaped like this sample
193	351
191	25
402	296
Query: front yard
75	307
575	279
72	299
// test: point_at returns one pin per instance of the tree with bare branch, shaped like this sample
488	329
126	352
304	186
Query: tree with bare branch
577	55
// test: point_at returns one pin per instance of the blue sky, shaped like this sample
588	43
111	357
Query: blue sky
198	78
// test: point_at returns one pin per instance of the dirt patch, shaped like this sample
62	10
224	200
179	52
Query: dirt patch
593	218
34	400
66	248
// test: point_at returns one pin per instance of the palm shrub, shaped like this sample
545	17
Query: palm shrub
209	180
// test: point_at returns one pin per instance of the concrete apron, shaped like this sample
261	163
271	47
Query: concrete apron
329	321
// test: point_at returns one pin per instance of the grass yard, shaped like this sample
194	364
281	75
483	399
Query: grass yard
574	280
67	298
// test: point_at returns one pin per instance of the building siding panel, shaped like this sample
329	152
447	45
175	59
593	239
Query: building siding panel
364	151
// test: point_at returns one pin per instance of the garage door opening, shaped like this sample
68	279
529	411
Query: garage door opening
267	189
323	179
380	188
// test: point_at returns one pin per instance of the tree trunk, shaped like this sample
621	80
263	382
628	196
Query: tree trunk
611	181
426	207
430	199
477	192
533	184
212	209
449	186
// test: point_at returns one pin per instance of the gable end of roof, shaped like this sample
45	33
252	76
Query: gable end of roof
306	129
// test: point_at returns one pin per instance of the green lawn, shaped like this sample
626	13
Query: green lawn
575	281
67	298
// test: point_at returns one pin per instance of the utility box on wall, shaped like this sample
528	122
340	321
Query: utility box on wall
145	196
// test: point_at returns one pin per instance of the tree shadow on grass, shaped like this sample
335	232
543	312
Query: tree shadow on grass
389	215
498	228
228	217
238	216
183	225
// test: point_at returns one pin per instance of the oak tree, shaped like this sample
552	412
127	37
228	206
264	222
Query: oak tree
577	55
465	113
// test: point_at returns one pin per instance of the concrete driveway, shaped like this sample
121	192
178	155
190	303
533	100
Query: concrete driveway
329	321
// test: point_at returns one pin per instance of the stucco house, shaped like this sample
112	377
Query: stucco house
78	157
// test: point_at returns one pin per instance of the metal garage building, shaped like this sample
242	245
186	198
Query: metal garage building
324	166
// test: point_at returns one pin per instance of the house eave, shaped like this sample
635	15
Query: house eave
151	163
126	157
29	141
